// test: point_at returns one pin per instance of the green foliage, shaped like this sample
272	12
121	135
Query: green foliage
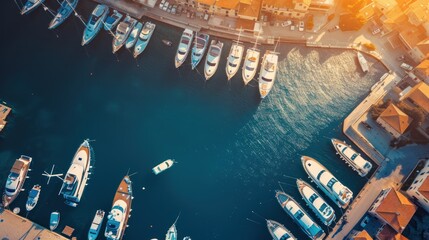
376	110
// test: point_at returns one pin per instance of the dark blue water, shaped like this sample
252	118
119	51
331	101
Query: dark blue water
232	149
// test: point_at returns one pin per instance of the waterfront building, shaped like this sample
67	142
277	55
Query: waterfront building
422	70
321	5
149	3
359	235
415	40
419	96
394	121
393	208
242	9
419	188
296	9
387	233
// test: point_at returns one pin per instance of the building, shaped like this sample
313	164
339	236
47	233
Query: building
394	209
283	9
415	41
418	12
419	189
359	235
149	3
321	5
419	96
422	70
243	9
394	121
387	233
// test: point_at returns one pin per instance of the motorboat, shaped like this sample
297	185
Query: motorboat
30	5
144	38
122	32
212	58
54	220
112	20
278	231
172	231
200	46
95	23
251	62
134	35
15	180
234	58
163	166
33	197
66	9
183	48
351	157
362	62
267	75
96	225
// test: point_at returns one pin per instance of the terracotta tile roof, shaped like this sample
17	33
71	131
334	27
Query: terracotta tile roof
420	95
423	67
245	24
279	3
424	188
412	35
249	8
389	234
424	46
229	4
396	16
362	235
397	119
396	210
207	2
419	10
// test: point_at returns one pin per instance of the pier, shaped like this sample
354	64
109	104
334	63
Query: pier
4	112
13	226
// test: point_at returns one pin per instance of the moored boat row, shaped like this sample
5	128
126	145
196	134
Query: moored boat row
351	157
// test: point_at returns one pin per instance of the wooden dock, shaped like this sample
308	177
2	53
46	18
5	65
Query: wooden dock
4	112
13	226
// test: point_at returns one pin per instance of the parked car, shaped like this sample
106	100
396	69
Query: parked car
336	28
301	26
161	4
292	27
406	66
286	23
174	9
179	10
169	8
165	6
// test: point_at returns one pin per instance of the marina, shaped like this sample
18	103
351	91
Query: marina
278	231
66	9
183	47
362	62
212	58
351	157
95	23
198	50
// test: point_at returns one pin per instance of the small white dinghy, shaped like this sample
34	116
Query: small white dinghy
163	166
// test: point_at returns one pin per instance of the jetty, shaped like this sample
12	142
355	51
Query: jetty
13	226
4	112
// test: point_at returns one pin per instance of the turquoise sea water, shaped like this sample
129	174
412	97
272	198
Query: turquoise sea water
232	149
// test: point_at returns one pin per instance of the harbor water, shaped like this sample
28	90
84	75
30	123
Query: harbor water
232	148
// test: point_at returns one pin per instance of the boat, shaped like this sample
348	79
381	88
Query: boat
234	58
167	42
30	5
134	35
163	166
212	58
251	62
95	23
15	179
187	238
144	38
324	179
66	8
267	75
96	225
118	217
183	48
112	20
300	216
76	177
278	231
172	231
316	203
54	220
33	197
122	32
351	157
362	62
200	45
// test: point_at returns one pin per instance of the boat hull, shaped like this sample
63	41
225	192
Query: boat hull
64	12
132	39
340	146
28	7
234	60
196	59
248	74
212	61
142	44
24	163
183	48
268	73
91	32
111	25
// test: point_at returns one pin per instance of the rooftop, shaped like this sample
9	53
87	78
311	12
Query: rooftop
423	67
424	188
362	235
420	95
396	118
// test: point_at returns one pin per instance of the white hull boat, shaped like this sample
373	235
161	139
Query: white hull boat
212	58
183	48
144	38
95	23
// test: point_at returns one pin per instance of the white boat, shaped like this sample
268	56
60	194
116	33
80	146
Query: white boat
183	48
122	32
278	231
300	216
362	62
95	23
351	157
112	20
118	217
172	231
267	75
33	197
76	178
54	220
65	10
134	35
163	166
15	180
234	58
30	5
96	225
212	58
324	179
144	38
200	46
251	62
187	238
316	203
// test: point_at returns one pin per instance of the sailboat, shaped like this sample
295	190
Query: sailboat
172	231
30	5
251	62
234	58
66	8
268	72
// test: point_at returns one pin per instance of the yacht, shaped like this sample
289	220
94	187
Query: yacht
200	45
324	179
298	214
66	8
15	180
267	76
134	35
212	58
316	203
54	220
95	23
76	177
33	197
144	38
118	217
351	157
362	62
172	231
234	58
122	32
96	225
278	231
163	166
251	62
183	48
30	5
112	20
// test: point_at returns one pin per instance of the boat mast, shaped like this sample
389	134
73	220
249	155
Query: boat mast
256	42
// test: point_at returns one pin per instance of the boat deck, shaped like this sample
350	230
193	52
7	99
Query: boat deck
13	226
4	112
124	192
